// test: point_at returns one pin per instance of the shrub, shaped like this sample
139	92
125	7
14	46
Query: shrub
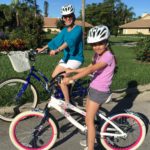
143	49
3	36
5	45
18	44
17	33
49	31
14	45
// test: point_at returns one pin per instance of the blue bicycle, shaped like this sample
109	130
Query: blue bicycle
21	95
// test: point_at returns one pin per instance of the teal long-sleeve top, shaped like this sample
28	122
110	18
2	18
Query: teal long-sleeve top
73	38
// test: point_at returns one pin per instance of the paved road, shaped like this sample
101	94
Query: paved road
70	137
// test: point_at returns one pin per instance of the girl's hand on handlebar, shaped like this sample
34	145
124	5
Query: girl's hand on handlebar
67	80
69	71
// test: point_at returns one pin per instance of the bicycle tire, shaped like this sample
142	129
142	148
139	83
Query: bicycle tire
8	104
22	130
130	124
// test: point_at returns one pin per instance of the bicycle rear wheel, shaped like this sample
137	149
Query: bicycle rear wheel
26	132
132	125
9	105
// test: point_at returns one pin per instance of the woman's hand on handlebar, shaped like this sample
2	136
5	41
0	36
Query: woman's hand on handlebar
39	50
42	49
52	53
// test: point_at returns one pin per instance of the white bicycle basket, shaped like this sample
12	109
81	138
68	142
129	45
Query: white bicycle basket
19	60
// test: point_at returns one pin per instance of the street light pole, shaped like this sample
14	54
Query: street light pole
83	21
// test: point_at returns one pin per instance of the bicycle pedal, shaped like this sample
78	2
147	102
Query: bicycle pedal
37	110
82	133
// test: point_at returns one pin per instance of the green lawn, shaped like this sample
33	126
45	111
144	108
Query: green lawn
128	68
125	39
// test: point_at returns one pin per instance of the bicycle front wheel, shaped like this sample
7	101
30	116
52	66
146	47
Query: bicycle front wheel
26	132
130	124
11	103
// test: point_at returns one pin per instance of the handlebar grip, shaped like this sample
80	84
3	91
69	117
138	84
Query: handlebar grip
56	53
71	81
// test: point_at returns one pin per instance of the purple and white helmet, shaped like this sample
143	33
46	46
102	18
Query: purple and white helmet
67	9
98	34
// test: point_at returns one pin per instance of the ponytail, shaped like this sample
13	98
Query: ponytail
110	49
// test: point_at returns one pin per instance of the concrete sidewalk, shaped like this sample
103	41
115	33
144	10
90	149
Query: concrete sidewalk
141	92
136	99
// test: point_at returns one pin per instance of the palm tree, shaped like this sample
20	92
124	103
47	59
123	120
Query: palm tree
15	2
35	6
15	7
6	17
45	8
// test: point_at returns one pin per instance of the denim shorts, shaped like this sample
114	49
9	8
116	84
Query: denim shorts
98	96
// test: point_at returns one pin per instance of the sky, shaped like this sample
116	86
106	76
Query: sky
139	6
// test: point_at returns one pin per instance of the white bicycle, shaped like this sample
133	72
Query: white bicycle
38	129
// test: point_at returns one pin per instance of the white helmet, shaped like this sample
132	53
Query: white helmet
98	34
67	9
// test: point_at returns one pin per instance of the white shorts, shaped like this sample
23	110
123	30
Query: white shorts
72	64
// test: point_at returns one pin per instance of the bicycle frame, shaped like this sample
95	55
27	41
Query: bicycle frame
39	76
35	73
43	80
58	103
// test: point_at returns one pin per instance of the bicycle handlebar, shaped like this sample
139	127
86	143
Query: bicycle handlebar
71	82
57	79
33	52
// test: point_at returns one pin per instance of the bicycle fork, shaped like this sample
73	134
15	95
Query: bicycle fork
39	128
21	91
17	98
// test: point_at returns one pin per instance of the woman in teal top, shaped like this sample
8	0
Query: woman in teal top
69	40
73	40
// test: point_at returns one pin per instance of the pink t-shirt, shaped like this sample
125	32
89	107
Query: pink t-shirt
102	78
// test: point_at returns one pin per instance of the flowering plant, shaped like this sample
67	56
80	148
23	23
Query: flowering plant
14	45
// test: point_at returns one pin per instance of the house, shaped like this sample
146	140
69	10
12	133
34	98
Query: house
51	23
141	25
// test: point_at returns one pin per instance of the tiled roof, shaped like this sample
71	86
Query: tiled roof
51	22
140	23
79	22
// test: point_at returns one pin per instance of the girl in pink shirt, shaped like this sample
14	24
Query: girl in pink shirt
102	68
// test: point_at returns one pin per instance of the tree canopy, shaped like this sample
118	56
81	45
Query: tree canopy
23	21
109	12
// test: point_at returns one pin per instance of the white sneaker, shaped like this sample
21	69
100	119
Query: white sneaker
83	143
65	105
86	148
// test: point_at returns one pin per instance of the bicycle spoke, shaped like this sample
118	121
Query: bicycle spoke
129	124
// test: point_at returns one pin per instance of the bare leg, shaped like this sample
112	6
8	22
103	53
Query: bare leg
91	109
65	91
57	70
63	87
